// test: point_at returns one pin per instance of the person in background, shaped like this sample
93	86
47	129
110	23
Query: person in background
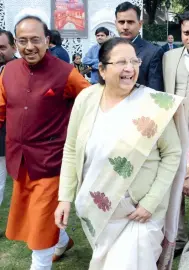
170	44
91	58
83	69
37	93
176	81
121	155
55	46
128	24
7	54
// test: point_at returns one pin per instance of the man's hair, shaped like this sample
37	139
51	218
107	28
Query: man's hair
55	37
9	36
125	6
183	17
102	30
46	30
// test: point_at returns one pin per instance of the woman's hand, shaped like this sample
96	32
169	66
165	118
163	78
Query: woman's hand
61	214
140	214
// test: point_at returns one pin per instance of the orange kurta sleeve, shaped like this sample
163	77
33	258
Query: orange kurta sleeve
2	102
75	84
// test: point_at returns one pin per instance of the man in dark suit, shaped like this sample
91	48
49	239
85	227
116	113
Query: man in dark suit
170	44
7	51
55	46
128	25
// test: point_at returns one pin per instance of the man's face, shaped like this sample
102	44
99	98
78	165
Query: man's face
170	39
185	34
127	24
6	50
31	41
101	37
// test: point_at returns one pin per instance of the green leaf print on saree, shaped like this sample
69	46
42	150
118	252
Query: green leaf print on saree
90	226
122	166
163	100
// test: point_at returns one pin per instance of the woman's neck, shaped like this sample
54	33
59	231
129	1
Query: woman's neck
110	98
119	94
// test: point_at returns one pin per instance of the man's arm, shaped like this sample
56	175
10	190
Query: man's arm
155	74
2	102
90	60
75	84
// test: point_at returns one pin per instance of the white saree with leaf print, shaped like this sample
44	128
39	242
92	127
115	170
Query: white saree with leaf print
99	200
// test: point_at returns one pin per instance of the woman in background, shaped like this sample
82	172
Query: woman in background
83	69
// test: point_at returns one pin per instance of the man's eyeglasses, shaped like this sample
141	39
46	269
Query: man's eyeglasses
124	62
34	40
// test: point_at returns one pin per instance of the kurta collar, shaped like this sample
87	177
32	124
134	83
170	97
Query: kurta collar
44	63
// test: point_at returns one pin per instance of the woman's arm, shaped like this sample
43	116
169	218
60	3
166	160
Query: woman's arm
170	154
68	179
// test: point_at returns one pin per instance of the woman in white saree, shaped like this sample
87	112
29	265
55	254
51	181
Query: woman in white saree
121	155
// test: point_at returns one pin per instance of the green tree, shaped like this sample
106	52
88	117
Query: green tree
151	8
179	6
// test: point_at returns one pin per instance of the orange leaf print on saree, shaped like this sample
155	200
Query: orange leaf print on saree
146	126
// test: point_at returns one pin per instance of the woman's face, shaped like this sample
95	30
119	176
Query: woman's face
122	71
77	59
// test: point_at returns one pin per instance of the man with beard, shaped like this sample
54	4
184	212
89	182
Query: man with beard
91	58
128	24
36	97
7	51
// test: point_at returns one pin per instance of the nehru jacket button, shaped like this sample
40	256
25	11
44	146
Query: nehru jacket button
28	90
25	108
31	73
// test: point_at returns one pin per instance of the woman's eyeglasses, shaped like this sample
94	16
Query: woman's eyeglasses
122	63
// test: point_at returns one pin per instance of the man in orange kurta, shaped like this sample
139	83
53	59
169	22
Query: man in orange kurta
36	97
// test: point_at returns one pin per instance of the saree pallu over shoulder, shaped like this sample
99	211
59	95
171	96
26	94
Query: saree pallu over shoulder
150	113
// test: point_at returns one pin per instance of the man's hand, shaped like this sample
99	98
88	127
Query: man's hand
186	187
61	214
140	215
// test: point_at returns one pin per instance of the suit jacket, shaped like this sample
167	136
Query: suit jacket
170	64
151	69
171	61
61	53
166	47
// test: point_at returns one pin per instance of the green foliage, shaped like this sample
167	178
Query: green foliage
179	6
158	32
15	255
155	32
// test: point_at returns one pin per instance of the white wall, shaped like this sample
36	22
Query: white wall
100	13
